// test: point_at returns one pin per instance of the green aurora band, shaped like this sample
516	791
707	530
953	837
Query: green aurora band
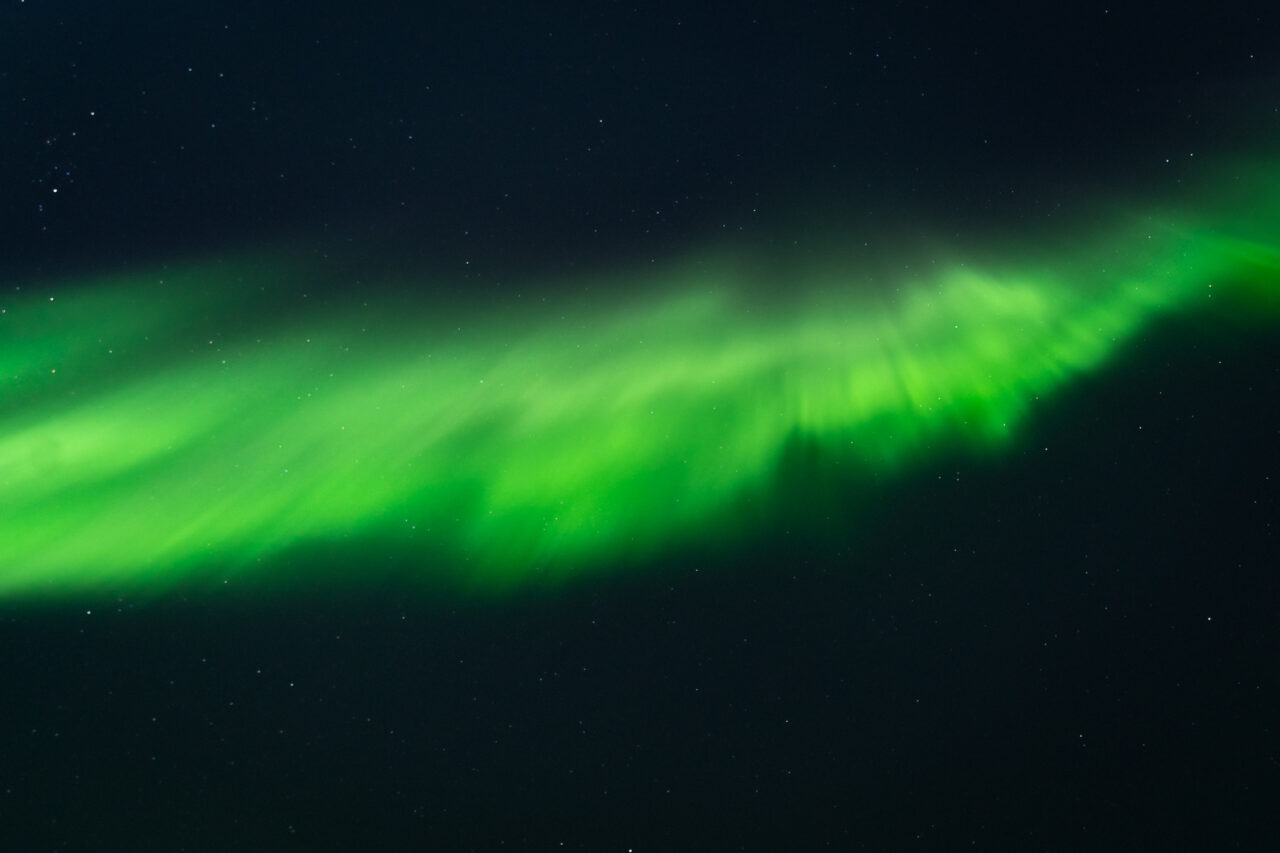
199	425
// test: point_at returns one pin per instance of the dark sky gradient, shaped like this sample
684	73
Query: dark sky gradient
540	133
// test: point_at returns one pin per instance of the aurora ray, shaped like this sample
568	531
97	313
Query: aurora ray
163	425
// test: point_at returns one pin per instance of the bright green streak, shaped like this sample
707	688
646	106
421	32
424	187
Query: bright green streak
151	432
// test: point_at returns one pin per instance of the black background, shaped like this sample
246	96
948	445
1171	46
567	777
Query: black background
1070	647
512	134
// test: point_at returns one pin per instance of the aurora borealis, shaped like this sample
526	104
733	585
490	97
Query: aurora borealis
639	427
179	423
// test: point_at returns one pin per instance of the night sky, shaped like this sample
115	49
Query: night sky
710	426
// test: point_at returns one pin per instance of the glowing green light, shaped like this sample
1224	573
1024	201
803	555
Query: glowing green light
210	419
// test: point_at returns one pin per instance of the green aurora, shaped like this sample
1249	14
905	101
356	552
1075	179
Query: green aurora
199	423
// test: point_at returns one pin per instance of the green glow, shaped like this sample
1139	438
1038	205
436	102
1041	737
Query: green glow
201	422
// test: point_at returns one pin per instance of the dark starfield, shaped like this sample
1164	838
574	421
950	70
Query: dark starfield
639	428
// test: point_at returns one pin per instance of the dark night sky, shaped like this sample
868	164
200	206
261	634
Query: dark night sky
1062	651
536	133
